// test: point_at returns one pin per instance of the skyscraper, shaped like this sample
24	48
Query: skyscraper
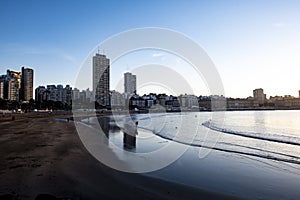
129	83
101	79
26	84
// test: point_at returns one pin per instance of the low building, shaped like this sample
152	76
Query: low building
240	104
117	100
188	101
54	93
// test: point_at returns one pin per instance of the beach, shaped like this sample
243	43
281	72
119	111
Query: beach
43	155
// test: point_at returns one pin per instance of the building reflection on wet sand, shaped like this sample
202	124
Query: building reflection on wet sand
129	131
105	125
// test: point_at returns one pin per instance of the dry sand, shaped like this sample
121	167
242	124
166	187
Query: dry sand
42	155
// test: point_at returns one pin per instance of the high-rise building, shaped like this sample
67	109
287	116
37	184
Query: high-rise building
26	84
101	79
12	89
10	85
15	75
129	83
67	95
258	95
2	86
60	93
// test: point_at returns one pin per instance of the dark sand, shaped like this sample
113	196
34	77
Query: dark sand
42	155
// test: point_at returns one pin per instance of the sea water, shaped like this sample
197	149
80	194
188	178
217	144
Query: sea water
248	154
267	134
273	135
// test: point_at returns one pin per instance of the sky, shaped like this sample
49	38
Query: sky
253	44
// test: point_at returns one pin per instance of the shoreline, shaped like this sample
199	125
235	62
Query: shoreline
8	116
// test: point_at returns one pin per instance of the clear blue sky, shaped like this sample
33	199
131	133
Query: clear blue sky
253	43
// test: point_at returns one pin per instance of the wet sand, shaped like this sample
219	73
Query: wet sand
42	155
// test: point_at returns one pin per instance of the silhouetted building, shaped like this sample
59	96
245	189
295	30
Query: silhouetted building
101	79
40	94
67	95
26	92
54	93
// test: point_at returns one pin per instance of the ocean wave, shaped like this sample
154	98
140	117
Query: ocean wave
259	153
260	136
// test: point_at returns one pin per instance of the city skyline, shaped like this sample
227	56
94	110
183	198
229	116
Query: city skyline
253	44
130	84
17	87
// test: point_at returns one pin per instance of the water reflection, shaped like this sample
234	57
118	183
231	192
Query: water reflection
127	129
260	127
105	125
130	133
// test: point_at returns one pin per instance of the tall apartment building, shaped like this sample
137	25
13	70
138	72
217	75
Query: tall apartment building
13	85
15	75
129	83
12	89
10	85
26	92
101	67
2	86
